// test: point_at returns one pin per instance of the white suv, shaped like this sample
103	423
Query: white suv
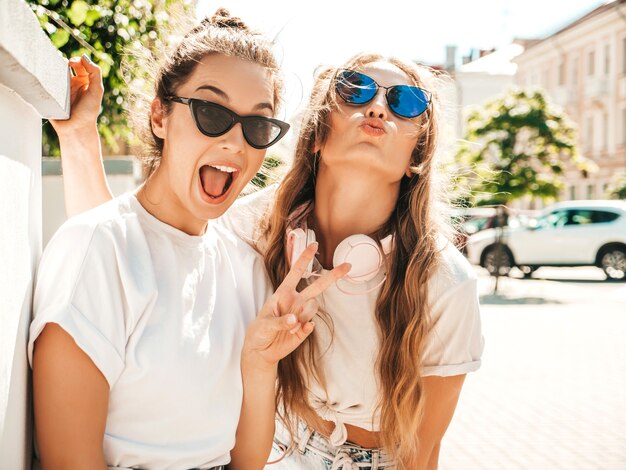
571	233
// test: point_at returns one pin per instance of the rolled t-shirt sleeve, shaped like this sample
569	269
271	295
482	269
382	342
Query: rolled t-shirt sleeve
454	345
80	287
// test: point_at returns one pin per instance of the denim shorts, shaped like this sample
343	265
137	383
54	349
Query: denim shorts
312	451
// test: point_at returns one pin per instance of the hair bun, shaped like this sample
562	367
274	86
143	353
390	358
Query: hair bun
222	19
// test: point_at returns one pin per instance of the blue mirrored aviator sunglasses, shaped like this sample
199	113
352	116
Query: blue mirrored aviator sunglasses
404	100
214	120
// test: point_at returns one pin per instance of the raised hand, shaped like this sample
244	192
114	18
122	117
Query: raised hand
284	322
86	92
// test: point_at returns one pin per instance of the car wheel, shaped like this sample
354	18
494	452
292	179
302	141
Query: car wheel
497	259
613	262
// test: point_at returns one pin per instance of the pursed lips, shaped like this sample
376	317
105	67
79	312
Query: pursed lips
373	127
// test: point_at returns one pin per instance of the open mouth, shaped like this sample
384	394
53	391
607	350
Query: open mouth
216	180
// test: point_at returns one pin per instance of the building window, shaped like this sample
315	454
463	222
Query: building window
591	63
605	131
590	191
607	59
624	126
624	55
572	193
575	71
561	73
588	144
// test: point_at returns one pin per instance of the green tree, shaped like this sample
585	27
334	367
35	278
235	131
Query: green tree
106	30
268	173
517	145
617	186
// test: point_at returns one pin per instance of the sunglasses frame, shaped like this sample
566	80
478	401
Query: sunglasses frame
194	104
386	88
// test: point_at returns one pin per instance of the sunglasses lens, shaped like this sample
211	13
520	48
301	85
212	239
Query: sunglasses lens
354	87
213	120
407	101
259	132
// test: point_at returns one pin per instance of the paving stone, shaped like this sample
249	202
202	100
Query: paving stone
551	393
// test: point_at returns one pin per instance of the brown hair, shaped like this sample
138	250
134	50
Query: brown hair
401	308
219	34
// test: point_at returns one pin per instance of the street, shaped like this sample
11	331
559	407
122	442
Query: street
551	392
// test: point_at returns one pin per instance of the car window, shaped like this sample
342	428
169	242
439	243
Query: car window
580	217
599	217
554	219
590	216
569	217
476	225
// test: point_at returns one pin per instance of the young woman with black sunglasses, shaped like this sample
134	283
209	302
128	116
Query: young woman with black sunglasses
376	385
145	349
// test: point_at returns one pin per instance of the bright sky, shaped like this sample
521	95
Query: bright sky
315	32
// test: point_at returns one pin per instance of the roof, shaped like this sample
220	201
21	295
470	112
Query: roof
597	204
498	62
609	5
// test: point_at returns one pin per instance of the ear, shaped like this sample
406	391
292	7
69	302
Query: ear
157	118
408	173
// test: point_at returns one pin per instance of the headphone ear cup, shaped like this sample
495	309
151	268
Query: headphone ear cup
297	242
363	253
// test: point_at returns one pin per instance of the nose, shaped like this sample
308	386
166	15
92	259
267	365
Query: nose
377	108
233	141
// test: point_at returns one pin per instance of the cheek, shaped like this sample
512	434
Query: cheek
338	123
407	141
255	160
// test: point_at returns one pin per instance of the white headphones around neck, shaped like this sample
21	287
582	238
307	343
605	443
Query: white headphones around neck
361	251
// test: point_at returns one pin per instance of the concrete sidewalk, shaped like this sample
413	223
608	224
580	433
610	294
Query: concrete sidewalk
551	393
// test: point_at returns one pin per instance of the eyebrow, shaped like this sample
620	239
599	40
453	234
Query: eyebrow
222	94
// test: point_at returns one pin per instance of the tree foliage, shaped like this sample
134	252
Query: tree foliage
105	30
517	145
617	186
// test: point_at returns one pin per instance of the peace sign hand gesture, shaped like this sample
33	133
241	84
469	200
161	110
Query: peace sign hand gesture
284	322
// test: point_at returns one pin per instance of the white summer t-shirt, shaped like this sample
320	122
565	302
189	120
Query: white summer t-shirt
453	346
162	314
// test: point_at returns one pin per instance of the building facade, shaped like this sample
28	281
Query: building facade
582	68
480	80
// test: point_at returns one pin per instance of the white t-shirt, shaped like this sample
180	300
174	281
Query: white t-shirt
453	346
162	314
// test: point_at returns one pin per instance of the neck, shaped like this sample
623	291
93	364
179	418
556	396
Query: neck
162	203
348	204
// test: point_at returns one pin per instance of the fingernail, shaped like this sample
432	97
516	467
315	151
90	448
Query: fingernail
291	319
86	57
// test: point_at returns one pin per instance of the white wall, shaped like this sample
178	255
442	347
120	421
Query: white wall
20	248
33	84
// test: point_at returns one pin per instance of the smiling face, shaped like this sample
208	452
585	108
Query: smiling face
199	177
369	137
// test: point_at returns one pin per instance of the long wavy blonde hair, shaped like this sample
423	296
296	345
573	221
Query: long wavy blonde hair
401	307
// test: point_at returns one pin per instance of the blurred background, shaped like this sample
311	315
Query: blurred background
536	140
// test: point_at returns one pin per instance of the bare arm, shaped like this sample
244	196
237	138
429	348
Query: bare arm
84	181
282	325
70	400
441	395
